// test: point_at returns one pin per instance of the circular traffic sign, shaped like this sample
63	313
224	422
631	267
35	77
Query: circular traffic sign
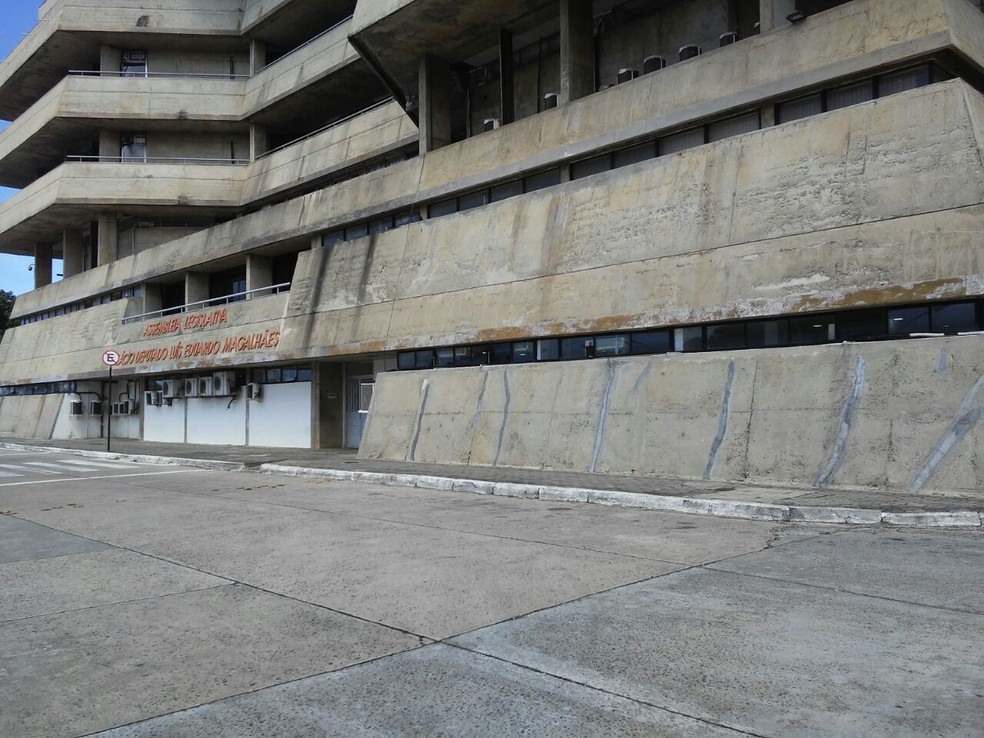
111	358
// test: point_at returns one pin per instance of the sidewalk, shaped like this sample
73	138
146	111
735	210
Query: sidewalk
859	506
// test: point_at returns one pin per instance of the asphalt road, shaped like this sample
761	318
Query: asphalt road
161	601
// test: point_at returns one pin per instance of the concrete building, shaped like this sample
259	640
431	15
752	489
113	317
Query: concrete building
729	239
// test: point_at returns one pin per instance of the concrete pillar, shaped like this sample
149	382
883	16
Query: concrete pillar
107	244
577	63
257	56
109	59
42	265
71	252
435	104
507	95
316	242
772	13
259	272
153	297
258	141
327	405
196	287
109	144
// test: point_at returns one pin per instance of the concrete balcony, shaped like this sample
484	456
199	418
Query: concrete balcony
70	33
312	82
73	193
379	130
62	122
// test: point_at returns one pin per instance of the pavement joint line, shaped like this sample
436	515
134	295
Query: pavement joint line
595	688
34	482
853	593
659	503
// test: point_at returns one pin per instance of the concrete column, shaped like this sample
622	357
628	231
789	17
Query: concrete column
109	144
153	297
507	95
71	252
316	242
109	59
196	287
259	272
258	141
327	405
107	244
257	56
435	104
42	265
577	63
772	13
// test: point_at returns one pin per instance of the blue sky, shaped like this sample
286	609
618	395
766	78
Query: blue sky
17	17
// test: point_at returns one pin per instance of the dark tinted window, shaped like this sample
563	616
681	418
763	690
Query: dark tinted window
650	342
725	336
954	318
908	320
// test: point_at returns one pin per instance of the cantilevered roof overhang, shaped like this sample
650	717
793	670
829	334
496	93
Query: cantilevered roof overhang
393	35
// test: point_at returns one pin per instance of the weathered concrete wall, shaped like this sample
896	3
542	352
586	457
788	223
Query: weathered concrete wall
29	417
896	415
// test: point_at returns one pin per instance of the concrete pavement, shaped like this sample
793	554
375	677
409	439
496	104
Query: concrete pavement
748	501
214	603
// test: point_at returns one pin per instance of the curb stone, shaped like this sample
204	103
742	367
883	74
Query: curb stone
613	498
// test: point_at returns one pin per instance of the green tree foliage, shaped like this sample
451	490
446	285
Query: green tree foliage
6	305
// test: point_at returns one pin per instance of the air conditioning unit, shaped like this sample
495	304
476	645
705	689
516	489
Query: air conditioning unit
653	64
124	407
191	387
726	39
491	124
626	75
254	391
95	407
114	409
75	408
689	51
550	101
152	398
223	384
205	387
171	389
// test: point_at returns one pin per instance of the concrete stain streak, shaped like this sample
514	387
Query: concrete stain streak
479	402
643	376
943	363
603	414
968	416
848	413
424	392
505	418
723	418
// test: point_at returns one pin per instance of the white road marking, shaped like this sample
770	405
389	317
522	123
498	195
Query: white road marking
17	467
9	474
99	464
60	467
87	479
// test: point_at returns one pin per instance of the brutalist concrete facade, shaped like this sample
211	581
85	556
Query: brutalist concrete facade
731	239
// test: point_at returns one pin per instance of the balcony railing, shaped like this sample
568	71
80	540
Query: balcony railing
159	160
158	75
211	302
310	41
333	124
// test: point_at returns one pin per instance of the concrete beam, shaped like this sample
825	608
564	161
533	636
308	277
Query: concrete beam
259	272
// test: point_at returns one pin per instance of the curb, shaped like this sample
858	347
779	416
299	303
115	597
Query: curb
691	505
611	498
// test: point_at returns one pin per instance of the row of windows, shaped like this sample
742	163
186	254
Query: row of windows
819	102
871	324
44	388
282	375
81	305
